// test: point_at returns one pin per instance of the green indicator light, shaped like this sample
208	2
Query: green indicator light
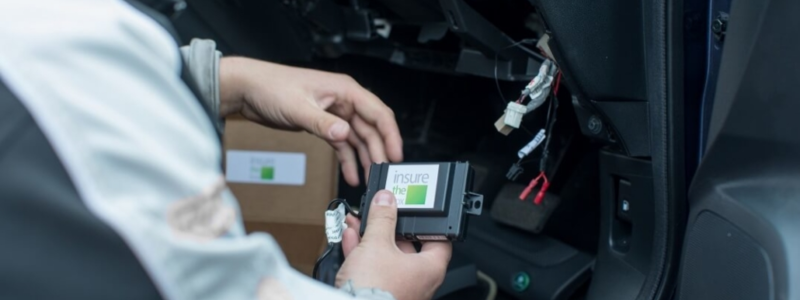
267	173
521	281
416	194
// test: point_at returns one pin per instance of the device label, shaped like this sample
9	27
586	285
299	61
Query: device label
263	167
414	186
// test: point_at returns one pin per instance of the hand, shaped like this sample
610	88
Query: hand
377	261
331	106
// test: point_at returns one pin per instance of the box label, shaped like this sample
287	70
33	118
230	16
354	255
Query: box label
263	167
414	186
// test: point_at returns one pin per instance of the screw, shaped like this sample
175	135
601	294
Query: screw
595	125
179	6
719	26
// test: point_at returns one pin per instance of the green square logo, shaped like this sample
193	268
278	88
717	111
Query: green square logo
416	194
267	173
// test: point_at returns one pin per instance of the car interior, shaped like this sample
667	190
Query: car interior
670	156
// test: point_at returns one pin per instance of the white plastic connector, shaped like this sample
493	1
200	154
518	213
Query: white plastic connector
537	140
334	224
514	113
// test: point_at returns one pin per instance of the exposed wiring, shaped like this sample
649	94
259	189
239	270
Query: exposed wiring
515	44
524	93
534	182
491	283
328	250
558	83
550	125
552	110
526	130
333	205
347	207
542	192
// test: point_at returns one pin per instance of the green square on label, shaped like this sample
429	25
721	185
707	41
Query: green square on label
416	194
267	173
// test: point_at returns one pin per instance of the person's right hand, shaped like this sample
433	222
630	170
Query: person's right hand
377	261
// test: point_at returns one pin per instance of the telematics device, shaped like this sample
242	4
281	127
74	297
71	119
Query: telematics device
433	199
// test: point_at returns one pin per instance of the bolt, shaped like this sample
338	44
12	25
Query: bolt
595	126
179	6
719	26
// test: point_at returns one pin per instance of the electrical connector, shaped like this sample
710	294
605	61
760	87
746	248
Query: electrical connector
530	187
542	192
514	113
514	172
540	196
501	126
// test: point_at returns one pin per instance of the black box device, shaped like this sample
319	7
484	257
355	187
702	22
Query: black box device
433	199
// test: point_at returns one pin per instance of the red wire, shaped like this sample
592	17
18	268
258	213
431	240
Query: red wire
558	83
523	95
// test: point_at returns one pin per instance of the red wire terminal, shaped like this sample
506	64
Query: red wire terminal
540	196
527	190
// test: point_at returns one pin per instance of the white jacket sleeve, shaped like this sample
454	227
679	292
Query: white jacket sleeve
202	60
102	81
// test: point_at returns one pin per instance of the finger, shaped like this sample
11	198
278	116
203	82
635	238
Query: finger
382	219
352	222
382	117
347	158
363	153
438	253
407	247
370	135
350	240
320	123
376	113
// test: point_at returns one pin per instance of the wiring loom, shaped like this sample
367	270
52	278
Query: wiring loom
333	246
550	123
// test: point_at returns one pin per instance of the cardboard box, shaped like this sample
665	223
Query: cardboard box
283	181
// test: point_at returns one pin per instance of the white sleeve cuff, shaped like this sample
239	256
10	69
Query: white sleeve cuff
202	60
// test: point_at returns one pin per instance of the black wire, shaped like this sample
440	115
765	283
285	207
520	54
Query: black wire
331	246
328	250
347	207
549	112
497	81
550	126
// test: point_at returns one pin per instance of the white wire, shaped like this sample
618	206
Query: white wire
492	285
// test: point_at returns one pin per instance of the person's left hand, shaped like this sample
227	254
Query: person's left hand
331	106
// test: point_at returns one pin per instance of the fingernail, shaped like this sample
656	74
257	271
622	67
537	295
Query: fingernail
338	130
383	198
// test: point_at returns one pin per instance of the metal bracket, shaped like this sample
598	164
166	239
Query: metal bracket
473	203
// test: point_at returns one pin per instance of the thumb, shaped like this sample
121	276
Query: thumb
382	219
323	124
